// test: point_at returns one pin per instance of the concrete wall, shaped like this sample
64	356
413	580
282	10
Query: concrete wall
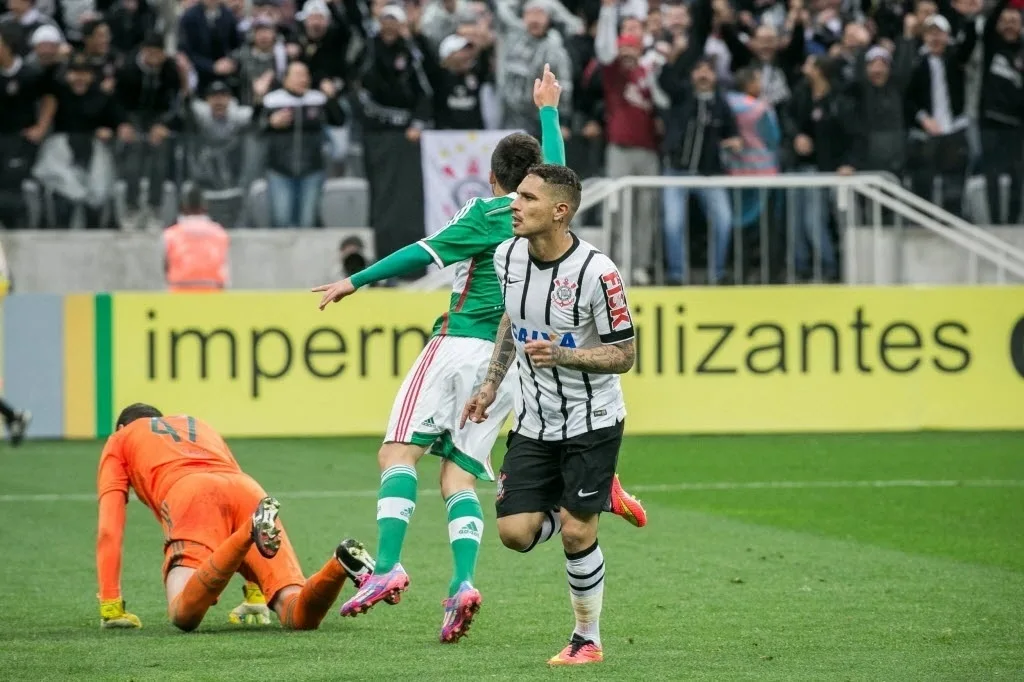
923	258
80	261
74	261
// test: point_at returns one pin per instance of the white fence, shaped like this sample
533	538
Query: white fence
858	203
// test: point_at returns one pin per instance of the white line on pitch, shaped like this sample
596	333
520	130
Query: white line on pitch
640	488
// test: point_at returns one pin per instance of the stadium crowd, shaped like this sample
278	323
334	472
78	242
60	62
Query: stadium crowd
225	93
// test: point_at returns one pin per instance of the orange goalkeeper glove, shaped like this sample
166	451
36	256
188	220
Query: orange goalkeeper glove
113	615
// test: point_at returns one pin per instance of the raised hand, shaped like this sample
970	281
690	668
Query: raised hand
546	90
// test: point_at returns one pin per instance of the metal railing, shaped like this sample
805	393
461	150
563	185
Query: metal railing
864	200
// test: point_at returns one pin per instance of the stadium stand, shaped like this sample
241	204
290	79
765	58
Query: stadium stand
109	107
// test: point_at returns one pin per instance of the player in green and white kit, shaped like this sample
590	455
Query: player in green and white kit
427	411
428	408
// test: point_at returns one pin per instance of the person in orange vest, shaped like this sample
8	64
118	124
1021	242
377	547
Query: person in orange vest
196	248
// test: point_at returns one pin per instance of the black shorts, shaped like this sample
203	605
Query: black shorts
574	474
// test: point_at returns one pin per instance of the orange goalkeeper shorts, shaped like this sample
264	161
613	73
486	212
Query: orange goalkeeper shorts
202	510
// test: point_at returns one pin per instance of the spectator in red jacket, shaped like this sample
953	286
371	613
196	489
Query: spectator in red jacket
631	125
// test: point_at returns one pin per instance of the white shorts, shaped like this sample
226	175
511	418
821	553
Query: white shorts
429	405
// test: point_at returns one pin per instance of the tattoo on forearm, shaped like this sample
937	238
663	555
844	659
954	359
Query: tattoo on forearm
611	359
504	352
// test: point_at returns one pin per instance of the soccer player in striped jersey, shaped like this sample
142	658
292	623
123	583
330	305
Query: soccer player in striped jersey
425	416
568	327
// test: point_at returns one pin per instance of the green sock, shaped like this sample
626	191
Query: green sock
396	502
465	528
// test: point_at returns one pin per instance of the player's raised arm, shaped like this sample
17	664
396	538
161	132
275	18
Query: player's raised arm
112	488
546	93
502	357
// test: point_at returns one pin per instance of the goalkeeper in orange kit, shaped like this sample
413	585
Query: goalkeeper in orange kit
217	521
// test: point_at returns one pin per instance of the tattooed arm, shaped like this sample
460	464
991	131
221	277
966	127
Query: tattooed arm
612	358
501	359
504	353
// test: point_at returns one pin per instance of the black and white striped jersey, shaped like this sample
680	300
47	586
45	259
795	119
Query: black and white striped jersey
579	299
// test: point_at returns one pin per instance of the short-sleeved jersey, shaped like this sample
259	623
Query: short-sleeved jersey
21	88
468	242
579	299
152	454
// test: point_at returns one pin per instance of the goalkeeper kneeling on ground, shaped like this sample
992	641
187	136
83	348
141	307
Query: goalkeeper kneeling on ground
217	521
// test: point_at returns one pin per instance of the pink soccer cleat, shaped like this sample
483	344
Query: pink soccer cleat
459	610
377	588
578	652
625	505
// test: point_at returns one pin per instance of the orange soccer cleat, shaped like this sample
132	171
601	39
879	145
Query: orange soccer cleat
625	505
578	652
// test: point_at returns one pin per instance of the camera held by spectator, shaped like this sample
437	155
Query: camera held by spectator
351	257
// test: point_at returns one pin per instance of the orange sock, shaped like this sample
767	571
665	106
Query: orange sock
305	610
204	587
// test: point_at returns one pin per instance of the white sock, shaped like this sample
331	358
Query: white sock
549	527
585	571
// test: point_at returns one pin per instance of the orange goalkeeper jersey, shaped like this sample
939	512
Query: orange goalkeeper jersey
149	456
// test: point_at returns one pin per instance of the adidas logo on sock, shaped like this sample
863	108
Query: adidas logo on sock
470	529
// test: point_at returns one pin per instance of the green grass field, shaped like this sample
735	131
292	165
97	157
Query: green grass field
766	558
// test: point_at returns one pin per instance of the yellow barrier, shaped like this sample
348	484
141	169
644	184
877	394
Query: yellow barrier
709	360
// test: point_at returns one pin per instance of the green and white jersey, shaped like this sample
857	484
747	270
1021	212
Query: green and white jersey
468	242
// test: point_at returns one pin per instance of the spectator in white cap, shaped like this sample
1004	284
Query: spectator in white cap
316	10
48	49
323	42
879	90
261	54
456	51
47	34
457	96
526	45
392	13
27	18
936	101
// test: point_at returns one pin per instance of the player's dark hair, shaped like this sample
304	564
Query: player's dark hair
137	411
564	181
512	158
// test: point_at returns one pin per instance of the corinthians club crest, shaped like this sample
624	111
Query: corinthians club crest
563	294
470	188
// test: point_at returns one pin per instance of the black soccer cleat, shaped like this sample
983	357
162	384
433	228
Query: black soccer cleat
358	564
354	558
